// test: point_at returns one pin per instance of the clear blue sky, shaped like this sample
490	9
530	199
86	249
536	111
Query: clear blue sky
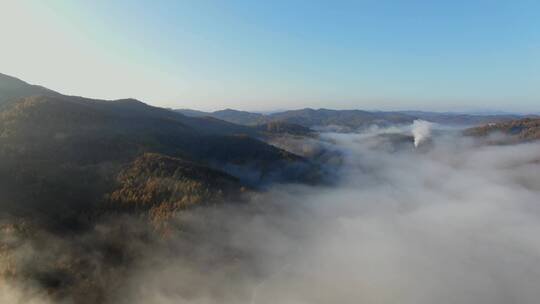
264	55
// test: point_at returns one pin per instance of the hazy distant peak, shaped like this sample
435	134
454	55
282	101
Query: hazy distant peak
229	110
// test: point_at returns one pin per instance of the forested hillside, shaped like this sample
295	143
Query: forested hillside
65	157
521	130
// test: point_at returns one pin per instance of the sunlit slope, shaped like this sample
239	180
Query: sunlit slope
521	130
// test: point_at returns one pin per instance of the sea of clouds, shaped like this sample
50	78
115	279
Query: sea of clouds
445	219
454	222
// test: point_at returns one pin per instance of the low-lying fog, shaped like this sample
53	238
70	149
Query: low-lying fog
450	221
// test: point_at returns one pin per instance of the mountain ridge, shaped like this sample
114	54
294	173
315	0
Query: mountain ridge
349	119
63	154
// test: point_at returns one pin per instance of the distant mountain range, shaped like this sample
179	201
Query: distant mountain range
348	119
307	118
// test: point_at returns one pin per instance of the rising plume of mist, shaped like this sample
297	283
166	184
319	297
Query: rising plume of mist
421	131
455	223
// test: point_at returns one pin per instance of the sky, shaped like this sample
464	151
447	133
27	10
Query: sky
457	55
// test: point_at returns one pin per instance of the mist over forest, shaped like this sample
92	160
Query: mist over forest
414	212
